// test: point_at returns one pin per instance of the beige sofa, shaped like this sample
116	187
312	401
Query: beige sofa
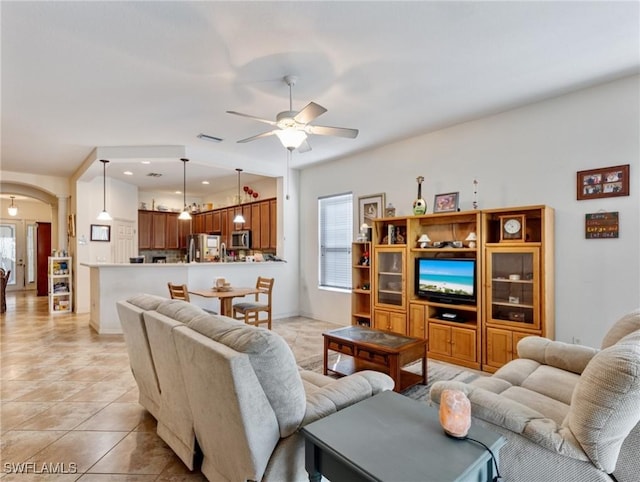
229	390
569	412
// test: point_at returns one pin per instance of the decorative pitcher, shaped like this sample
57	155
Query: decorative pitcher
419	205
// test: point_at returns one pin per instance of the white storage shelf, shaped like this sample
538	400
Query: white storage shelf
60	285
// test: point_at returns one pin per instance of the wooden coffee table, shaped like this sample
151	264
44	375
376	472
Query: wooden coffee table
370	349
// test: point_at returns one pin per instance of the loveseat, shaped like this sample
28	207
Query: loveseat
229	391
569	412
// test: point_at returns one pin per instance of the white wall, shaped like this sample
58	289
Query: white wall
28	209
122	203
266	189
520	157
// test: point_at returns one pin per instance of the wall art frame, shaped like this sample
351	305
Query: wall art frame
446	202
100	232
71	225
610	181
370	207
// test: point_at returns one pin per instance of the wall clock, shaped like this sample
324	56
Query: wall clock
512	228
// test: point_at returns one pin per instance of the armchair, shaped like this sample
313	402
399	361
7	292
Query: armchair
569	412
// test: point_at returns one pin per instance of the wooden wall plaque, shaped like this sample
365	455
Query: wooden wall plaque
601	225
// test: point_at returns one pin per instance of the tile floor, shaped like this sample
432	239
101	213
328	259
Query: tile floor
69	406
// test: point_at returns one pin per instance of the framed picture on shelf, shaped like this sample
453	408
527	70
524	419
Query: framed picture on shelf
369	208
100	232
445	203
605	182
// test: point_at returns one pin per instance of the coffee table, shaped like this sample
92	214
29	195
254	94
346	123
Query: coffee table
370	349
390	437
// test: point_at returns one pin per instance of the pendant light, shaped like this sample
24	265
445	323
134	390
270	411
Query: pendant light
13	209
239	219
184	215
104	215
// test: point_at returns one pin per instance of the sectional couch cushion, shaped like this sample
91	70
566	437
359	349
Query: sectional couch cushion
271	359
180	311
606	402
146	302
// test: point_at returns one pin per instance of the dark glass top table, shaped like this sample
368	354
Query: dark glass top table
369	349
390	437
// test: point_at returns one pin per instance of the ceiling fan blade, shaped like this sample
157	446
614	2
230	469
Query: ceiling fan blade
332	131
309	112
258	136
304	147
259	119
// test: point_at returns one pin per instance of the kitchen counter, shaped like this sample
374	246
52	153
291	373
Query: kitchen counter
114	282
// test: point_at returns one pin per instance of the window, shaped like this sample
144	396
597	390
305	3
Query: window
336	231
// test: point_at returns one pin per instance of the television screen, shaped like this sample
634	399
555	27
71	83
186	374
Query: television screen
449	280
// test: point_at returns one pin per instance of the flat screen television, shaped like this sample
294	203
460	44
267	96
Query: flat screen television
446	280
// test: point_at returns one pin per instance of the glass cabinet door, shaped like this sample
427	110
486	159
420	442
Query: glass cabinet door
513	286
390	281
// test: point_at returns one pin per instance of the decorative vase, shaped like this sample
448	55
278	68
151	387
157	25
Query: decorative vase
419	205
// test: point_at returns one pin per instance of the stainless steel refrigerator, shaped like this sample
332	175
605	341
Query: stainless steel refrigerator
203	248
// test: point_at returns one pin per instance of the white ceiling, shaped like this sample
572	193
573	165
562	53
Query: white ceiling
81	75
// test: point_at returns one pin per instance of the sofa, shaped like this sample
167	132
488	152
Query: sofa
228	394
569	412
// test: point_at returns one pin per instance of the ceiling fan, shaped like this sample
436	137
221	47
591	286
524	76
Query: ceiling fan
292	127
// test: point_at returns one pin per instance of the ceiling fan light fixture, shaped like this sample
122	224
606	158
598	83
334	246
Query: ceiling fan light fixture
291	138
104	215
13	209
184	215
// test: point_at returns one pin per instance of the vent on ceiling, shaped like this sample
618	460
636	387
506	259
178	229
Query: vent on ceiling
154	174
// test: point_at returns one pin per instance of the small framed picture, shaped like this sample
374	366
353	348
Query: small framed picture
445	203
100	232
605	182
369	208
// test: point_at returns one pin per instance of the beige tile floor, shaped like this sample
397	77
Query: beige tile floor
69	401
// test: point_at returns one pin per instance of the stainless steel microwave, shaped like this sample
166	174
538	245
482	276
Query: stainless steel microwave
241	239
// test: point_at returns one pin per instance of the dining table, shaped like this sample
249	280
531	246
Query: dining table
225	296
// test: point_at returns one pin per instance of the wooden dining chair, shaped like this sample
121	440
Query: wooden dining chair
250	311
178	292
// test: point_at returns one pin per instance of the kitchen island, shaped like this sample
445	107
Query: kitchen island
114	282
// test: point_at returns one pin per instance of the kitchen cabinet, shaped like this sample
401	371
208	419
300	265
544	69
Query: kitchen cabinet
208	222
198	223
217	222
163	230
171	238
265	224
145	229
273	224
158	228
184	229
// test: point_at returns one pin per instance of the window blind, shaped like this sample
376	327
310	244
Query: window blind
336	231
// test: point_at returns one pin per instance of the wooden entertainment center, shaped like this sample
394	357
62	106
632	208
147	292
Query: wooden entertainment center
513	293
